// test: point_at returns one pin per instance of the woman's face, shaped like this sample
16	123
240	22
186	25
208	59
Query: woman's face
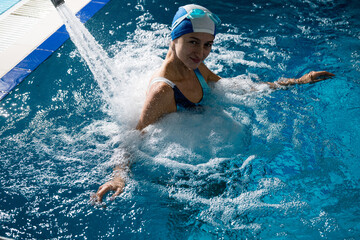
193	48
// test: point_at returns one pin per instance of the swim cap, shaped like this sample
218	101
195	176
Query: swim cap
202	21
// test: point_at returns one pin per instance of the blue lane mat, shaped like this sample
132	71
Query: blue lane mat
15	76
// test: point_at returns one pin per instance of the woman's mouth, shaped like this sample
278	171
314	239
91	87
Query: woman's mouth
196	60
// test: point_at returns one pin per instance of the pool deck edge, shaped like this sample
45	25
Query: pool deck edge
35	46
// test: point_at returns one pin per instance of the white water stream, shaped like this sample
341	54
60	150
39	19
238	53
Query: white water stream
90	50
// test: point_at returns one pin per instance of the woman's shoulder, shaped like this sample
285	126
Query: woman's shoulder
160	87
160	95
161	80
208	75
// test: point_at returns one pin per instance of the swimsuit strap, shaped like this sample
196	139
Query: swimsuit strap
203	83
205	87
180	100
162	79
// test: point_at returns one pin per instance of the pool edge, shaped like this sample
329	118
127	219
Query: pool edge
27	65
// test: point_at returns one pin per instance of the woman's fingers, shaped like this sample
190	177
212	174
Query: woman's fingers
119	190
102	191
321	75
117	186
327	73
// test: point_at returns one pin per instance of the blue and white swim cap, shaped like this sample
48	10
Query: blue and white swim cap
193	18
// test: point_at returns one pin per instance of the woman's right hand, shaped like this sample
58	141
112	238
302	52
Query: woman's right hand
117	184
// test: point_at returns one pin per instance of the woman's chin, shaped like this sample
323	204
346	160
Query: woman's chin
193	65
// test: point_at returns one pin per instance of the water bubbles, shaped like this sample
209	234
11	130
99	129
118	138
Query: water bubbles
140	7
251	164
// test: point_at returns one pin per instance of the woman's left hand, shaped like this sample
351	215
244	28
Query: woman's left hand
314	77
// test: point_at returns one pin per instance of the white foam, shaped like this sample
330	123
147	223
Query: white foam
200	144
223	211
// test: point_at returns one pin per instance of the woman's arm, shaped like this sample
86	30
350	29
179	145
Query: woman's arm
159	101
311	77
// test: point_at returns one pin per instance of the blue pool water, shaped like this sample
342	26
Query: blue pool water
253	165
6	4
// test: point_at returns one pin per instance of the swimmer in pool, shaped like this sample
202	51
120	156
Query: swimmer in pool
182	80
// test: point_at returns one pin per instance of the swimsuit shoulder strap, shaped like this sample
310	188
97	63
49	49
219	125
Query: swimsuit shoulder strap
204	85
180	100
162	79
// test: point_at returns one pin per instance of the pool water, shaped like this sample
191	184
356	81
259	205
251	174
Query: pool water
252	165
7	4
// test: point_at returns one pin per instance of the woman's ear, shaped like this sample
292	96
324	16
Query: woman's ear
172	45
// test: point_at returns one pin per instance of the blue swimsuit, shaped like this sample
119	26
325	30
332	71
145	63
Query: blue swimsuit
181	101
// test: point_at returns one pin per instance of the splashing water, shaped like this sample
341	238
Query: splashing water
200	164
171	141
253	165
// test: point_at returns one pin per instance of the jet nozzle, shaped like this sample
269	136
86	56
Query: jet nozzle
57	2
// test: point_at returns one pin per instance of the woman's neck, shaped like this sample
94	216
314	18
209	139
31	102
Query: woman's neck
174	68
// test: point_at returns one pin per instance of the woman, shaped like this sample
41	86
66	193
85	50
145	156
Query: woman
181	81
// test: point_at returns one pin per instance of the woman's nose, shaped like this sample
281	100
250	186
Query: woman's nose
199	52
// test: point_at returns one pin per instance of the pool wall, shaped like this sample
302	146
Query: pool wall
39	22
